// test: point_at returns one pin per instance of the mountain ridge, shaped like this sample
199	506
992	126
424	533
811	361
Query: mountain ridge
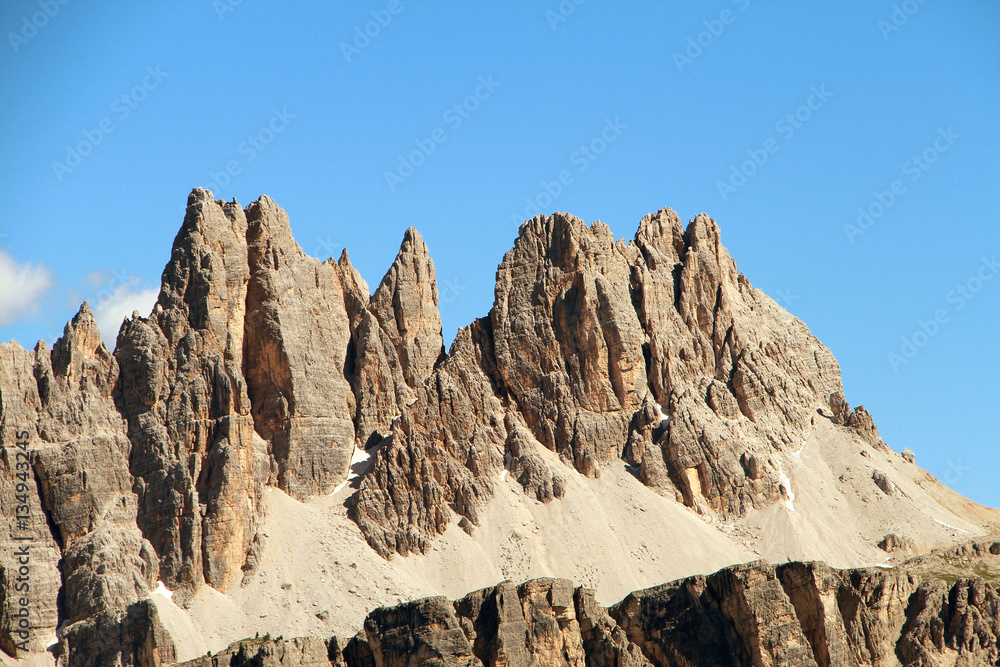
609	377
804	614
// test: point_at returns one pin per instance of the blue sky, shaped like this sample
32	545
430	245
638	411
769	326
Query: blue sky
848	150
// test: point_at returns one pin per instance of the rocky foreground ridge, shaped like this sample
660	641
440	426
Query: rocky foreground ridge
795	614
124	471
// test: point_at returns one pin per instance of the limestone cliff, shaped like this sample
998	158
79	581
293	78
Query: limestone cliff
260	367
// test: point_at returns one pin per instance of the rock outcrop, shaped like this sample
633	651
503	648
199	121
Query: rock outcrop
795	614
260	366
444	452
397	340
296	341
199	468
655	351
78	559
268	652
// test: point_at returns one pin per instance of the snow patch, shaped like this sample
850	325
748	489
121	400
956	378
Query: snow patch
664	417
360	461
798	454
787	483
948	525
163	590
507	461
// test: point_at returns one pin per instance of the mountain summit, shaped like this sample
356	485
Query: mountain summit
277	449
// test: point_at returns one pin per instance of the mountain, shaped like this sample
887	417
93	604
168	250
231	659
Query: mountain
278	450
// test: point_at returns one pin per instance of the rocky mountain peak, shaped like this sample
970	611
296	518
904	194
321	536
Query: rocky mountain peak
80	356
406	306
653	361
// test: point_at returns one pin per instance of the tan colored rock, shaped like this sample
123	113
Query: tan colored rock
200	470
397	340
568	342
60	405
527	466
656	351
133	637
268	652
812	589
739	615
406	305
296	349
531	624
755	614
24	520
604	641
416	633
718	343
447	448
885	484
893	542
861	420
960	622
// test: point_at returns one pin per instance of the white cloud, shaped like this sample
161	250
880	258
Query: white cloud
22	287
117	305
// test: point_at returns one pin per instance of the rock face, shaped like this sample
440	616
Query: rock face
655	351
199	469
267	652
67	495
260	366
792	615
406	306
397	340
893	542
296	340
443	452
